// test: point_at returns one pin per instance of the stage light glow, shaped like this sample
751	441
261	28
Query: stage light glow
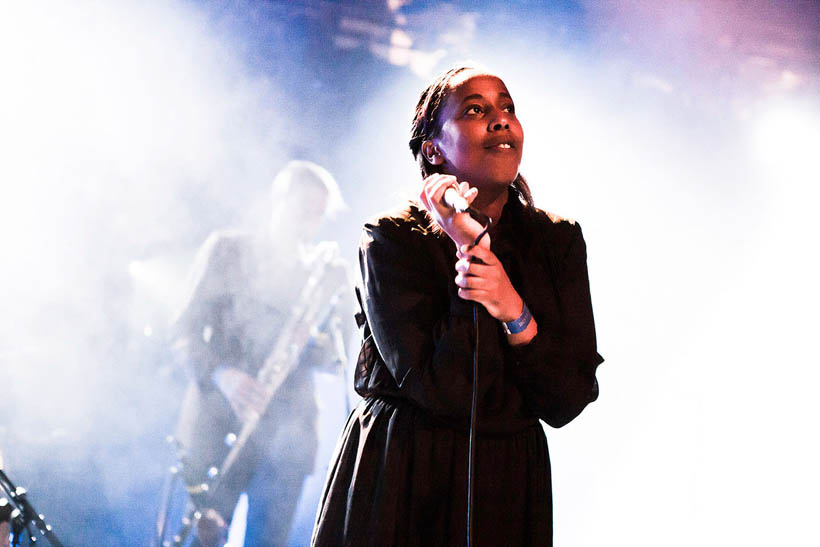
786	138
682	141
121	124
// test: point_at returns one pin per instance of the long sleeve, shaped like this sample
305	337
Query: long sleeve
425	335
198	334
422	333
555	372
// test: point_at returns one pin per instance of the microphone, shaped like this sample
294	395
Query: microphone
454	200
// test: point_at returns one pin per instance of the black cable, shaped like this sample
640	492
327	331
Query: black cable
473	413
474	402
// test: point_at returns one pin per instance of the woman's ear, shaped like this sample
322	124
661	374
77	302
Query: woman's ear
431	153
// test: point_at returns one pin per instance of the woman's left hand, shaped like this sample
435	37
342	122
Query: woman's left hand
485	281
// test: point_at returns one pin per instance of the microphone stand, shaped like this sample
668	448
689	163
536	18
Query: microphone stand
23	515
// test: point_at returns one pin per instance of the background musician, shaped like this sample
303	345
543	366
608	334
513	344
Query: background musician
242	289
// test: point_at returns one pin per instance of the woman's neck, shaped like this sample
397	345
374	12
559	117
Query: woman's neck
491	202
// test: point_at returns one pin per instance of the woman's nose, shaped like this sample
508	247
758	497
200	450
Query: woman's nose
500	122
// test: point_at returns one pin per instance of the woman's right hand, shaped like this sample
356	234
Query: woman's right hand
245	394
460	227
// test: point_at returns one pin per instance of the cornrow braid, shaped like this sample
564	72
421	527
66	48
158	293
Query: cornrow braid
426	124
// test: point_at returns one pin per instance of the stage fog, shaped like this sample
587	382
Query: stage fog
683	139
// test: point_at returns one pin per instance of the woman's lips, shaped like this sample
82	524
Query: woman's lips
500	142
500	146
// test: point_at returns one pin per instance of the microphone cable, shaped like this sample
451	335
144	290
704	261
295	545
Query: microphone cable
474	399
473	412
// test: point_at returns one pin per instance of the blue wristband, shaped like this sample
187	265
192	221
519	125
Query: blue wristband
520	324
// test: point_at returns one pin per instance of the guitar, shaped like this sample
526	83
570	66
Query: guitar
314	308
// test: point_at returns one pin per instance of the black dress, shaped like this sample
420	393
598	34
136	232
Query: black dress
399	476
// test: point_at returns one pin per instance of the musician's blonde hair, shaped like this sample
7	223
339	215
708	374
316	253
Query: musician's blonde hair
306	172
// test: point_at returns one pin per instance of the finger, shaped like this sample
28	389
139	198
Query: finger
249	388
482	253
444	184
257	403
463	266
242	411
465	252
439	185
476	295
432	179
465	191
423	199
249	413
470	195
258	399
258	410
470	282
478	270
251	401
426	192
434	191
429	182
467	267
462	281
468	256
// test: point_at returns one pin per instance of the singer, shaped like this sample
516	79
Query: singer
400	471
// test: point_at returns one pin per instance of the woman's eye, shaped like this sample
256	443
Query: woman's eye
510	108
474	109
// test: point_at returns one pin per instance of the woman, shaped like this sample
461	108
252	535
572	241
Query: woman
400	475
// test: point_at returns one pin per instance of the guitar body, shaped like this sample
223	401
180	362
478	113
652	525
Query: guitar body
286	437
206	420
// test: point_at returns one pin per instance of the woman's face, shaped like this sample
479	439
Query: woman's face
481	139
